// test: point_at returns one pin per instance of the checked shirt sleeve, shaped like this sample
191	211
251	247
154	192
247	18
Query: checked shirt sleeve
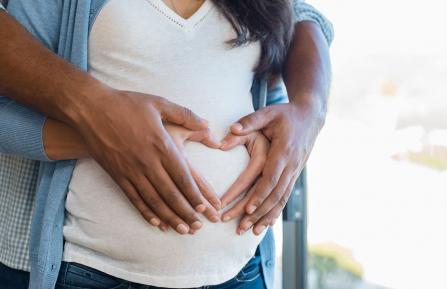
306	12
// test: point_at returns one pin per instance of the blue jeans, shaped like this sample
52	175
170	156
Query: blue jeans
76	276
12	278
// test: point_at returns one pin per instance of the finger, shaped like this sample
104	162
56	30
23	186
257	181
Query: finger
253	122
245	179
151	198
205	137
206	189
271	174
181	115
212	201
238	209
231	141
273	215
172	196
139	203
258	147
273	199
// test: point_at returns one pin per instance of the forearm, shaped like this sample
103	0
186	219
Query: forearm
307	71
36	77
62	142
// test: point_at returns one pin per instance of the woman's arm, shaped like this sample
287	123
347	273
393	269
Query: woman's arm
292	128
62	142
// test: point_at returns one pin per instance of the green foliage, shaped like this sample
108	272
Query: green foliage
330	257
332	265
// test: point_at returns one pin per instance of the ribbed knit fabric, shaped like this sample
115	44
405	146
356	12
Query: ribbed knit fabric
21	131
305	12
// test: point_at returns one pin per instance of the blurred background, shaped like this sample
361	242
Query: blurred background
377	177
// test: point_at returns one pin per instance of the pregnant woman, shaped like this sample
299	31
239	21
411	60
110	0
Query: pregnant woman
203	55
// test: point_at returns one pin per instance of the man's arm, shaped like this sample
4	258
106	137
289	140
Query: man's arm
135	150
292	128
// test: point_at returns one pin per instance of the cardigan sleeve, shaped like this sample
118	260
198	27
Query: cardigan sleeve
21	128
21	131
305	12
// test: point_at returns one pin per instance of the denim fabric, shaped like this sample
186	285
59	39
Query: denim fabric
12	278
76	276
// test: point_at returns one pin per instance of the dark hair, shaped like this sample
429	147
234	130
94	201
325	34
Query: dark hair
267	21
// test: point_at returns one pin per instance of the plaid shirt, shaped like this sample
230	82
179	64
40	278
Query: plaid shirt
18	177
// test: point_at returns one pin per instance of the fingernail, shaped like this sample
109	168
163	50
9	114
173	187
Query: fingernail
164	228
182	229
155	222
196	225
201	208
251	209
226	218
247	226
214	219
217	205
259	230
237	126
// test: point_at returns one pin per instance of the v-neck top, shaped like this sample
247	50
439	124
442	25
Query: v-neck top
143	46
185	23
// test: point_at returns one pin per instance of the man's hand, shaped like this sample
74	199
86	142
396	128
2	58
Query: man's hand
292	132
124	133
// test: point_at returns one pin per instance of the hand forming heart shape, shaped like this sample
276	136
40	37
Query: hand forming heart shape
257	146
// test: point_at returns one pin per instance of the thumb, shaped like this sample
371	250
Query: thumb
205	137
252	122
183	116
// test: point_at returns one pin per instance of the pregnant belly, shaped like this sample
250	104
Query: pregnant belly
102	222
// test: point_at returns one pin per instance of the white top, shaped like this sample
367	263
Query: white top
144	46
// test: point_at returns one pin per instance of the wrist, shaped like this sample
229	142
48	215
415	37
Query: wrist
81	98
313	110
62	142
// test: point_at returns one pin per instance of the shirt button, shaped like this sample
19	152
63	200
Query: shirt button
53	267
269	263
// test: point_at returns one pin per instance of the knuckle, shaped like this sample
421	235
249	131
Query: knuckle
171	198
163	145
187	113
146	212
191	216
276	197
283	201
155	203
271	182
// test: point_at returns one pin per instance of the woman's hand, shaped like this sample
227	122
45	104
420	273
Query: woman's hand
258	146
292	132
180	135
